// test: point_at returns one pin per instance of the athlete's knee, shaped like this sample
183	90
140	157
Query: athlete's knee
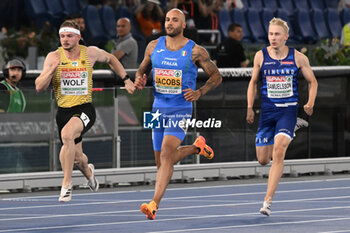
264	161
278	158
279	152
264	156
167	153
281	143
67	137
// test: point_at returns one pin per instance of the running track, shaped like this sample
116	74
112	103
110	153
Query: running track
299	206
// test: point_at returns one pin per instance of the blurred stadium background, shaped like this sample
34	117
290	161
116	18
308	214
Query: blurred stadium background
118	143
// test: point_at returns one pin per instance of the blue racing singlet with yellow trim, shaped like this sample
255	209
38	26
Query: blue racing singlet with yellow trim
279	81
173	72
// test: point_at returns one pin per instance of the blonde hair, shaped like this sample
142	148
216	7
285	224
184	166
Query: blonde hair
279	22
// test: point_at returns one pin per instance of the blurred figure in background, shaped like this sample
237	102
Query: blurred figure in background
345	35
3	35
79	19
125	49
230	53
231	4
193	10
343	4
149	17
190	9
11	97
209	19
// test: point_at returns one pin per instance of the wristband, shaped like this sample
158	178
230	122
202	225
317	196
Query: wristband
126	78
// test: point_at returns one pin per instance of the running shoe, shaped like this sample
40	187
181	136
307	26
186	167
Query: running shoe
66	194
301	123
150	209
266	209
203	148
93	182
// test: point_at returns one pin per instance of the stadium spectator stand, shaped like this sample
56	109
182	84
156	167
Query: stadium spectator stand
317	5
94	27
72	6
257	4
238	16
331	4
334	24
37	11
345	16
306	30
287	6
266	16
310	21
320	24
301	5
224	22
56	11
108	20
256	26
271	5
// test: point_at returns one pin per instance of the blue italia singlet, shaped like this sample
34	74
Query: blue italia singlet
173	72
279	80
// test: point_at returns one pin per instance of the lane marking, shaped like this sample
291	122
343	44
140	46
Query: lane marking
257	225
177	208
196	188
164	199
196	217
335	231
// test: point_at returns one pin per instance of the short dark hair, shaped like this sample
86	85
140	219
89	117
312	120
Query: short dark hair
70	23
233	26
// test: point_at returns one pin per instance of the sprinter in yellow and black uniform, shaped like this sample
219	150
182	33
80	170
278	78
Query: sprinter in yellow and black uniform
70	70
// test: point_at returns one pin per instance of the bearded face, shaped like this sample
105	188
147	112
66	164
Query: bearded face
174	23
173	32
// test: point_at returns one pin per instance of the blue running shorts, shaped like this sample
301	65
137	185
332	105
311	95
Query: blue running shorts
172	122
273	121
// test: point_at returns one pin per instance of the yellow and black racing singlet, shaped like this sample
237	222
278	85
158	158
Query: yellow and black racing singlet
72	81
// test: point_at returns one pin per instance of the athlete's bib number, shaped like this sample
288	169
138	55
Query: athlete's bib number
279	86
168	81
74	82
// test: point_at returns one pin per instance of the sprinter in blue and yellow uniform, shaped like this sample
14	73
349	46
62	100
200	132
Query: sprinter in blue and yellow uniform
277	66
70	70
174	60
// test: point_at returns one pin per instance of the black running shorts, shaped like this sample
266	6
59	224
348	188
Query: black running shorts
86	113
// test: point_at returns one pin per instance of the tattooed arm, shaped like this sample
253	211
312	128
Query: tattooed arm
201	58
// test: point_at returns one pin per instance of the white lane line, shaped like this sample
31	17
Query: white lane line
168	198
341	231
174	208
256	225
188	218
196	188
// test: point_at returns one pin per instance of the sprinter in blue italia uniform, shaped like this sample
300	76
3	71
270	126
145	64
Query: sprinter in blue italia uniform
173	72
174	60
277	65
